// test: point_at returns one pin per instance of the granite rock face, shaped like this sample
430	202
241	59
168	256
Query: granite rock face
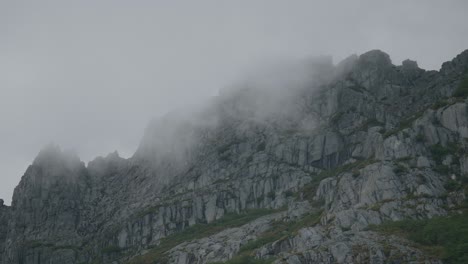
362	142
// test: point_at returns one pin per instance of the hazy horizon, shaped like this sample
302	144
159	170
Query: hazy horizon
90	76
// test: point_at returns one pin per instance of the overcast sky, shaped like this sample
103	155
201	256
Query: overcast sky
89	75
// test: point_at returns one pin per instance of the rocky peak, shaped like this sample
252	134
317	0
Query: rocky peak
371	70
375	58
344	66
409	64
105	165
2	202
51	171
459	65
410	69
52	157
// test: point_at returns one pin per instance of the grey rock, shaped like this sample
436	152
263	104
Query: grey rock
356	144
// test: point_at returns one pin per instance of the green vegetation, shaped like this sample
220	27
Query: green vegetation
453	185
271	195
64	247
260	199
289	193
462	89
404	159
442	237
147	211
246	260
111	249
36	244
440	104
308	190
345	168
460	184
442	169
406	123
199	231
356	173
280	230
400	169
370	123
439	152
336	117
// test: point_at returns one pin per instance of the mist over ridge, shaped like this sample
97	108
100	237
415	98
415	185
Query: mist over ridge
90	75
327	154
209	132
278	95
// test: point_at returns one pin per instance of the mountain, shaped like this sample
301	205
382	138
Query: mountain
304	163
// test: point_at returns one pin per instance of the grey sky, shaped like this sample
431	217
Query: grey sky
89	75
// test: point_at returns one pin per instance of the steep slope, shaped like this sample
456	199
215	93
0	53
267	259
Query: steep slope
318	157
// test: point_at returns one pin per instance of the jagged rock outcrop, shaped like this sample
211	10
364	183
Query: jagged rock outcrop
362	142
4	218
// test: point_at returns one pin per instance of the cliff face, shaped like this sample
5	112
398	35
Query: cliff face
350	145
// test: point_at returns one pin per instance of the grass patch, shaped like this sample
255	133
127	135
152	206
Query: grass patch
452	185
245	259
406	123
309	189
40	244
400	169
356	173
404	159
370	123
442	169
289	193
36	244
271	195
440	104
442	237
147	211
336	117
346	168
198	231
280	230
111	249
439	152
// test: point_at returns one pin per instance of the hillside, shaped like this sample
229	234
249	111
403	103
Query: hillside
310	163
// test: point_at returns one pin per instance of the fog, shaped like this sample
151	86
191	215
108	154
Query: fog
89	75
277	96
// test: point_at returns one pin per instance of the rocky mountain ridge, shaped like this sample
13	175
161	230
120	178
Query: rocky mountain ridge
289	174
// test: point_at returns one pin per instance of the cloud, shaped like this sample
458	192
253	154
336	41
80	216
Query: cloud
90	75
